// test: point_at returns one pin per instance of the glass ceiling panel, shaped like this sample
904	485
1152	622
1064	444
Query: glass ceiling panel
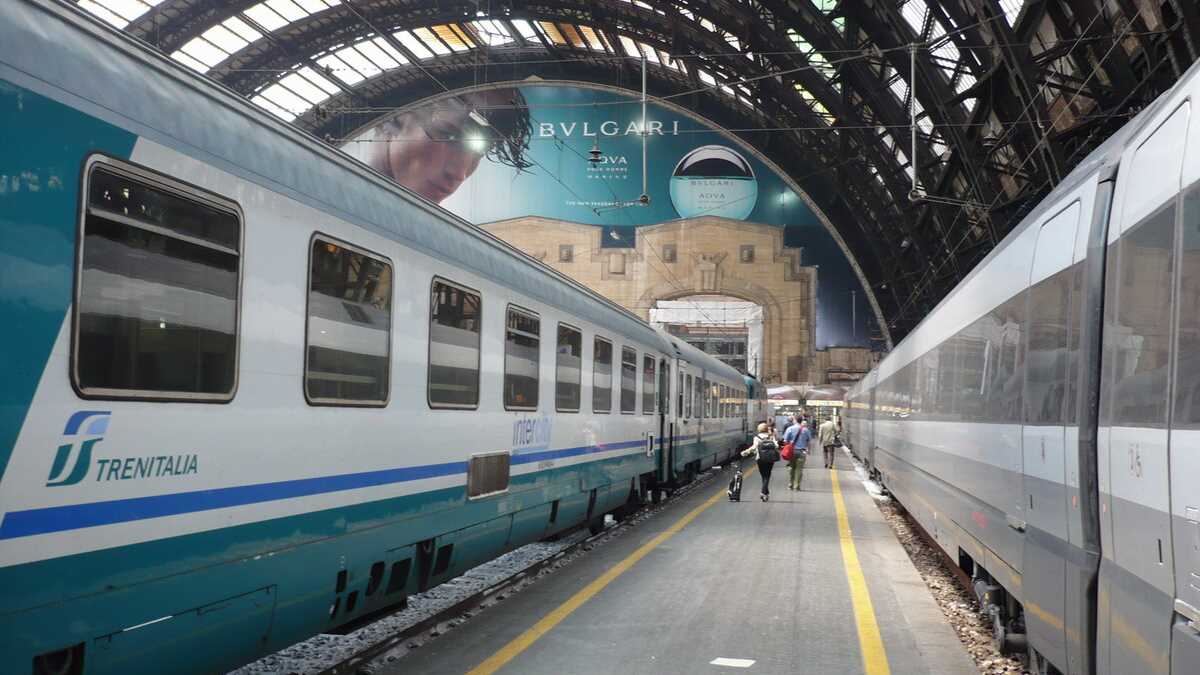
266	17
914	13
453	37
381	53
593	39
314	6
271	107
1012	10
631	48
224	39
568	31
429	39
493	33
242	29
413	44
119	13
342	70
308	85
524	29
190	62
285	100
204	51
103	13
288	9
552	32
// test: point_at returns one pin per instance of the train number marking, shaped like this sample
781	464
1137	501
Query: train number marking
1135	460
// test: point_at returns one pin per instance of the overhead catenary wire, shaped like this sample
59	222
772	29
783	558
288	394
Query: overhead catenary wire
932	273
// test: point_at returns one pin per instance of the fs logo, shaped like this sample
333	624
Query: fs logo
97	425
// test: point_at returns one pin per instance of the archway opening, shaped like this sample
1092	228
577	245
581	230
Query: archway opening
728	328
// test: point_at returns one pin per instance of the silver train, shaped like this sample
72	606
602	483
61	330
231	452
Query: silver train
1043	422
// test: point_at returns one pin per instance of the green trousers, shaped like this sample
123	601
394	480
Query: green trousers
795	471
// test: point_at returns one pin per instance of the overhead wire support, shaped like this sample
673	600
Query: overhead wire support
917	195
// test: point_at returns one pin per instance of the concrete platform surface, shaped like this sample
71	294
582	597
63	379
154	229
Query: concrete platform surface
710	586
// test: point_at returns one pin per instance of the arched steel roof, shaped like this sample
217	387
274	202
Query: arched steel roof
1009	94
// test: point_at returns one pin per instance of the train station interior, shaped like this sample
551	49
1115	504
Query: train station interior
582	337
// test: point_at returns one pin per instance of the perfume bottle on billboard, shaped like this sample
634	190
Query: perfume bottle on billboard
714	180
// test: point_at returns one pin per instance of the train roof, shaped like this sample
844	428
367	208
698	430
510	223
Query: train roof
127	83
692	355
1108	154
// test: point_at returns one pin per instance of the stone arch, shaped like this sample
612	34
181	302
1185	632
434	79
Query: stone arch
705	255
772	368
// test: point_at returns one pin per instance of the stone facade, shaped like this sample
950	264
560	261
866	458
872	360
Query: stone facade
696	256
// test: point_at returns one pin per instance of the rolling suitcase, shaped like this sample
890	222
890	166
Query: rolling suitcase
735	484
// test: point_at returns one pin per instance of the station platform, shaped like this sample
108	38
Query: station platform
810	582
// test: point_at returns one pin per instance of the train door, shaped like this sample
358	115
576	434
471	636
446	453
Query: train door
1137	587
1043	432
1185	424
665	431
682	433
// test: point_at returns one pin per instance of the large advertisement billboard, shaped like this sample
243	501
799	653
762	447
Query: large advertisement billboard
575	153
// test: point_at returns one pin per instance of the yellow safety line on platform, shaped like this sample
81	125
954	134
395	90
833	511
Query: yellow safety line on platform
875	661
522	642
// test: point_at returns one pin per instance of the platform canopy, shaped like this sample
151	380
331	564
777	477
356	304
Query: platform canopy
1009	94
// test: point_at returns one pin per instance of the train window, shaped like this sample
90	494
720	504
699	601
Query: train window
487	474
1074	334
698	392
1046	371
1187	364
158	288
602	361
647	384
688	393
664	389
568	369
1004	385
628	380
679	395
1142	334
454	327
348	340
522	338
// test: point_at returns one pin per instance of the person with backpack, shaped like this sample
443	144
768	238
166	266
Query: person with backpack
765	449
795	454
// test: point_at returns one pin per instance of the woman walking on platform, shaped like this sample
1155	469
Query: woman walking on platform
766	452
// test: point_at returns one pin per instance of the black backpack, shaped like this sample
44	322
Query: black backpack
768	450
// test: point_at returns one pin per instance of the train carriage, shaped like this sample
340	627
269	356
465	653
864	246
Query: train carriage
254	391
1040	422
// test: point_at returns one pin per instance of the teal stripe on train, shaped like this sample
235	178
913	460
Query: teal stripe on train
39	186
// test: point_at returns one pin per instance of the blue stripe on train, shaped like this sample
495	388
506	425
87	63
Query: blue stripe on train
78	516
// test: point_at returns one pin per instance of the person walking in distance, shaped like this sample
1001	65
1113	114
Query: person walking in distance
828	436
795	465
765	449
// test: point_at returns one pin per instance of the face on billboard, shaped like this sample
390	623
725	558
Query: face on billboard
572	153
434	149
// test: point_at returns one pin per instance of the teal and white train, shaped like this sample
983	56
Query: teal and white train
253	391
